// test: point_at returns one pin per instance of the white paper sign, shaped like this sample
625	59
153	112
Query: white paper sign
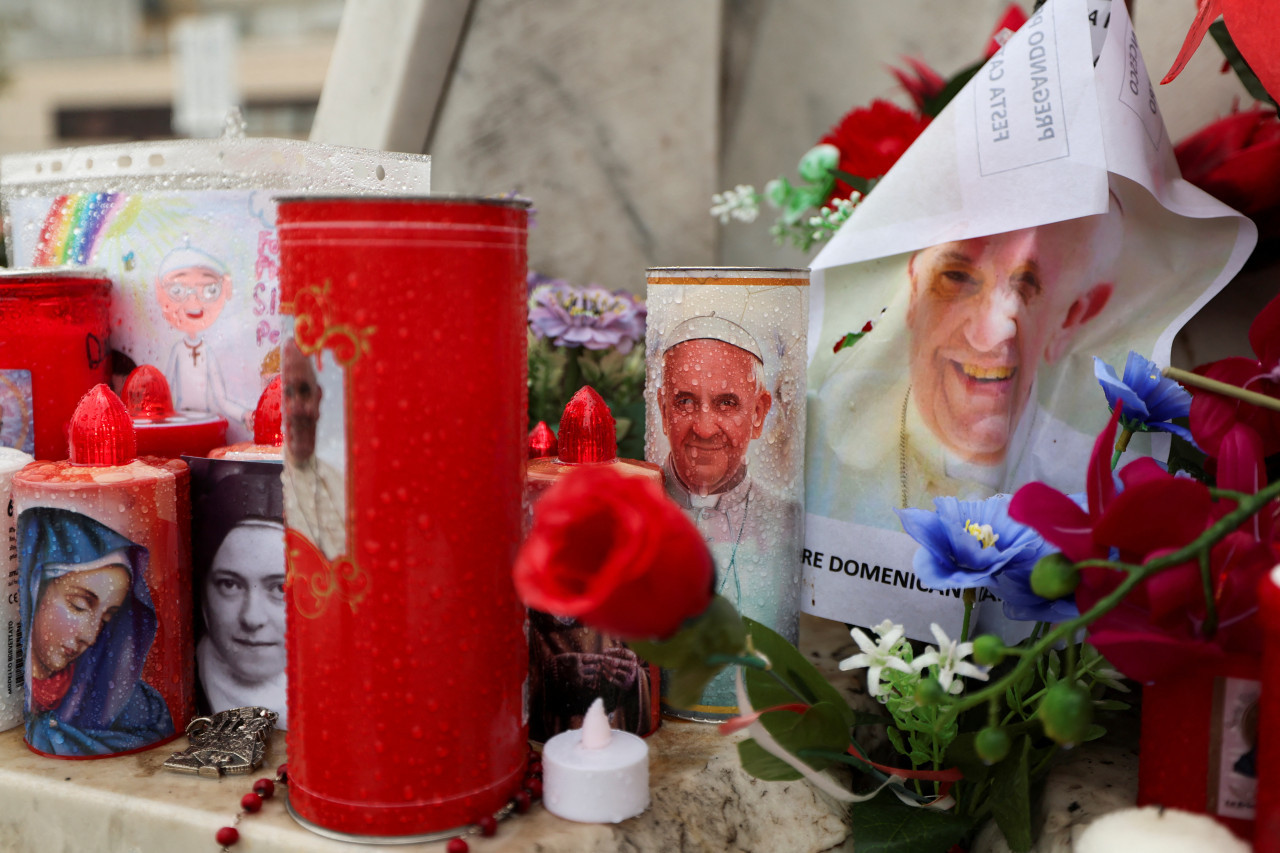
1039	221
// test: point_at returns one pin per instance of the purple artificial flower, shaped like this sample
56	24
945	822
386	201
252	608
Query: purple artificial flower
589	317
1151	400
970	543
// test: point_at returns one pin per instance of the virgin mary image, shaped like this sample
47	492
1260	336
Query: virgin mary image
89	624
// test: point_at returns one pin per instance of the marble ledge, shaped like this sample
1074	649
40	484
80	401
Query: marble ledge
702	800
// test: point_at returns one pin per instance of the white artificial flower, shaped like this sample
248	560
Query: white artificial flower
877	656
949	657
741	203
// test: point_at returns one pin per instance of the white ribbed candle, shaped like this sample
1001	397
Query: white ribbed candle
12	690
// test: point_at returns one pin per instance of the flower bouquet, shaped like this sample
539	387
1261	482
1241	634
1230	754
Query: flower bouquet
1142	575
587	336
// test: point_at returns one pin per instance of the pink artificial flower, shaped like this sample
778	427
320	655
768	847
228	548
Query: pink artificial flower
1159	626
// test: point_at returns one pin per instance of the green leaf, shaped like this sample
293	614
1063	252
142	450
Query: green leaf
963	753
866	718
1011	796
1055	667
1218	29
933	106
789	666
884	824
1094	732
895	740
1110	705
763	765
718	631
862	185
822	727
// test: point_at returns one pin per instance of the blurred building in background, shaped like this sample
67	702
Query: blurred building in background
619	119
80	72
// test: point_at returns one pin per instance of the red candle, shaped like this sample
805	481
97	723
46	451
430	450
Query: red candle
1266	834
570	665
267	436
107	535
161	431
404	435
53	348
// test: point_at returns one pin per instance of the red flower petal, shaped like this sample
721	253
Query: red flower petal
1253	26
1099	487
1264	335
1154	515
1144	469
1147	656
615	552
1206	14
1057	518
1212	415
1171	593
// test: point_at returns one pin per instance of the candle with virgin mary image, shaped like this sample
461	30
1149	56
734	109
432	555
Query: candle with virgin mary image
103	542
238	557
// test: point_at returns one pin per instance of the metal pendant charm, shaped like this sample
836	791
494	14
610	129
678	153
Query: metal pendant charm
228	743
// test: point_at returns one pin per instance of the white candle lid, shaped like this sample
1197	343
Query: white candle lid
1157	830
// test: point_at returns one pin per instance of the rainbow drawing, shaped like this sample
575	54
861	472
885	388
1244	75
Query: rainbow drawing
72	227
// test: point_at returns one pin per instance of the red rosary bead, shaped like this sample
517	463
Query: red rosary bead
251	802
227	836
523	801
264	788
457	845
488	825
533	786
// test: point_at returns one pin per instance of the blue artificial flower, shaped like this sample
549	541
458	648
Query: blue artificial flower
1013	586
970	543
1151	400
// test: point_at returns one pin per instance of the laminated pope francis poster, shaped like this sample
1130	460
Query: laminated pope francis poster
1039	221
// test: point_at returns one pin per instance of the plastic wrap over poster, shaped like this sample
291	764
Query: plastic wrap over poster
197	273
1038	222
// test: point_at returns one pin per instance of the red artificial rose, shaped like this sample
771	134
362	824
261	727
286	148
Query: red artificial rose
871	139
615	553
1236	160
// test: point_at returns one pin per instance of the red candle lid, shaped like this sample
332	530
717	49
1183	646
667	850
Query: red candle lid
587	429
542	441
146	394
101	431
266	417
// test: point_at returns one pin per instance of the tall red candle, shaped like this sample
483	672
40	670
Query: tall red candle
53	348
404	409
1266	833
